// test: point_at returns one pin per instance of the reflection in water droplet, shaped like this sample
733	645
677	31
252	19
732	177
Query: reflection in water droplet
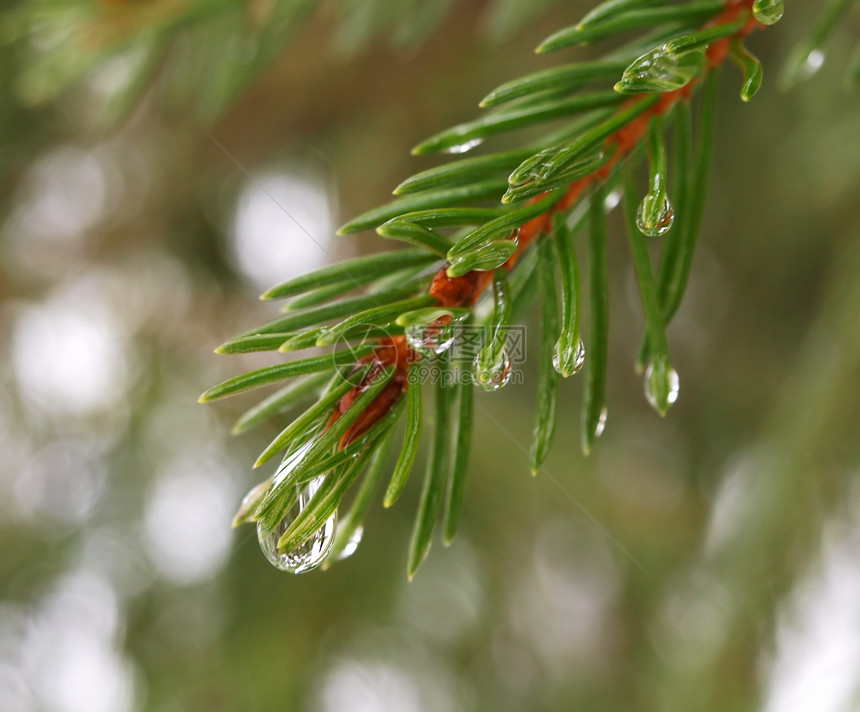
308	555
661	70
601	423
463	147
352	544
534	167
673	387
291	460
567	357
431	339
492	376
652	222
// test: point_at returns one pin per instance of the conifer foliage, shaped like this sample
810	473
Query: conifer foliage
484	235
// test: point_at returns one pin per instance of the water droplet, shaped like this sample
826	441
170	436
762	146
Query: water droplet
492	376
768	12
568	357
294	457
601	423
661	70
671	386
431	339
535	166
352	544
308	555
654	219
466	146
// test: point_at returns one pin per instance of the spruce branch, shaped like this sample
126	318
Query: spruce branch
505	222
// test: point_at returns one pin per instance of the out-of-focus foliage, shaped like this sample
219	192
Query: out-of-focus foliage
200	54
120	255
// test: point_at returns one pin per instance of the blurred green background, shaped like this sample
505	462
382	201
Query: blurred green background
708	561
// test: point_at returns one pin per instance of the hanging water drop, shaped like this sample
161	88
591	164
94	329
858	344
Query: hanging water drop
311	553
568	357
465	146
492	375
671	384
768	12
432	338
655	215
